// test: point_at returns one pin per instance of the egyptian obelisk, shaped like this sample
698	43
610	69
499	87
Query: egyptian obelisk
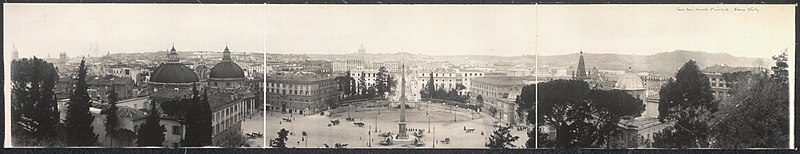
402	133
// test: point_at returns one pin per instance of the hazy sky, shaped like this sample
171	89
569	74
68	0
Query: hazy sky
512	30
429	29
54	28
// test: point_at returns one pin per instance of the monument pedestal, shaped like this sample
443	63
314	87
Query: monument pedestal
402	133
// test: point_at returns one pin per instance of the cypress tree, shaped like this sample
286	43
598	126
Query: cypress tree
152	132
431	87
79	120
111	114
205	129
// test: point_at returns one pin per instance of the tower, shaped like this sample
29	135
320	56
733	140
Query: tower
14	52
226	55
172	55
402	132
581	72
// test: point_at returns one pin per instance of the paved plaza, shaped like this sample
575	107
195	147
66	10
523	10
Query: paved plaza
441	118
254	125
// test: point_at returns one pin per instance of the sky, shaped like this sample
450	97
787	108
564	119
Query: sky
505	30
530	29
42	29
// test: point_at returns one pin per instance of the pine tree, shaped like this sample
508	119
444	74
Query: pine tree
502	139
688	100
111	114
33	106
79	120
152	132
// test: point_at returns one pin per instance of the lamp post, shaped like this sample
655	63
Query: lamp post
434	137
454	114
376	123
429	124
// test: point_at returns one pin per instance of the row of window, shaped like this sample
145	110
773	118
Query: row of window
303	100
300	92
297	86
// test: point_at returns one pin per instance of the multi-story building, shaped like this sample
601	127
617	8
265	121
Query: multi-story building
317	66
301	93
720	87
497	95
100	86
443	79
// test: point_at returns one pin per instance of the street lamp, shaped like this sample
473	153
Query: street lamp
429	124
376	123
454	114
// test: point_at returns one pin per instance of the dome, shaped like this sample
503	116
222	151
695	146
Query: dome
173	73
629	81
226	69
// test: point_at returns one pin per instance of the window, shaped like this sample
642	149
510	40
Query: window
177	130
227	84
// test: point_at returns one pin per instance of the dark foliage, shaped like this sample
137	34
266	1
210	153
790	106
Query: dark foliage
79	120
34	111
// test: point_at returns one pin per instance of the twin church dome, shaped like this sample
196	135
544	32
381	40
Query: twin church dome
174	72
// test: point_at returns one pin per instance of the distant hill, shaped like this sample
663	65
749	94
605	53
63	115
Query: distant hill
663	63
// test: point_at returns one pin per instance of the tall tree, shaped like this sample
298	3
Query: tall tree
781	72
758	115
381	81
502	139
111	114
688	100
344	85
205	118
151	133
431	87
479	98
79	120
583	118
33	106
362	84
193	120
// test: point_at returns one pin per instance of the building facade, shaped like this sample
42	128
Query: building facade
301	93
499	94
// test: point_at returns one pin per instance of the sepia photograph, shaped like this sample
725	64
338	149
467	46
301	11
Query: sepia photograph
476	77
102	75
529	76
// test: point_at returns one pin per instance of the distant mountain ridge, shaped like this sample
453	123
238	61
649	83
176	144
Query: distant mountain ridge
663	63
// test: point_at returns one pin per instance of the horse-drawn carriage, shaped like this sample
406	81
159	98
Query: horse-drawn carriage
287	119
469	130
350	119
359	124
335	121
445	141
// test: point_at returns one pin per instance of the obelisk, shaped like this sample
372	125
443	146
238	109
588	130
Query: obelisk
402	133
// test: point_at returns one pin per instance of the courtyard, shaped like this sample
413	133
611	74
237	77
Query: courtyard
437	121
